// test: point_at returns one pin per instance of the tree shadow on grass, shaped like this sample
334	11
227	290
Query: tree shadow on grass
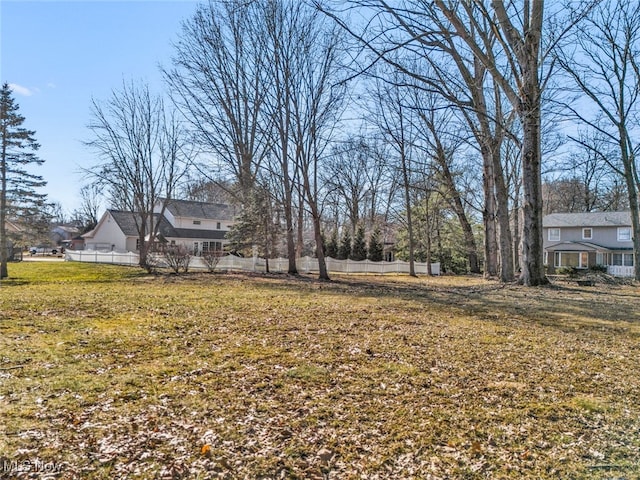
563	306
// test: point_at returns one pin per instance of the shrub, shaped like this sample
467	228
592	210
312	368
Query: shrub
211	259
178	257
571	271
599	268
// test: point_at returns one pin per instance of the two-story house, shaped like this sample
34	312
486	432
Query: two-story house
201	227
583	240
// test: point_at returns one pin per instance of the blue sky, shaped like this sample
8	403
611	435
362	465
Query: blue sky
58	55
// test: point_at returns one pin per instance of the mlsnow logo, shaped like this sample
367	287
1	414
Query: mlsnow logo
31	466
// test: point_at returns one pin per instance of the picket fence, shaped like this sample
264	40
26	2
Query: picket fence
255	264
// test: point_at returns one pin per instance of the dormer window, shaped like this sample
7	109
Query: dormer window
587	233
554	234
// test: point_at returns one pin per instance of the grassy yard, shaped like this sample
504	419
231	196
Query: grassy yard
106	372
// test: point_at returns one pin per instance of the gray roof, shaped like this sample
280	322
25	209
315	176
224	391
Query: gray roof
590	219
127	223
577	246
204	234
210	211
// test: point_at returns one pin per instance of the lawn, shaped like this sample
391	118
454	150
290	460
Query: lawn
107	372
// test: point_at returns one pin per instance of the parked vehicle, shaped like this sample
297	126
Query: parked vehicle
44	250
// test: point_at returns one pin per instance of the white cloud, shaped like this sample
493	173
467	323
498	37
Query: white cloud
20	90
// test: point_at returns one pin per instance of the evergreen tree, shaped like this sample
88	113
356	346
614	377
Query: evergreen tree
359	250
376	248
18	195
256	226
332	244
344	250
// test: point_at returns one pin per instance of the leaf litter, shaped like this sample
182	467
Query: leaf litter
243	376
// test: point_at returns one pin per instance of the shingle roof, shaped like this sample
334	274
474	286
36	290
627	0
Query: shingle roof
591	219
204	234
127	223
210	211
577	246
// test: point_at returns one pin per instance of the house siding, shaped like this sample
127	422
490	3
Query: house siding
109	236
600	248
604	236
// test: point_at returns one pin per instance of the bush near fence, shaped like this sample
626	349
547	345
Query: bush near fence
252	264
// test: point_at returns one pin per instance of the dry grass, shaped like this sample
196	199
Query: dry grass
108	373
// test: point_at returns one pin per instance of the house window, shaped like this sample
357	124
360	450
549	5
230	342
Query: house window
571	259
587	233
211	247
603	258
584	259
197	222
622	259
554	234
624	234
218	226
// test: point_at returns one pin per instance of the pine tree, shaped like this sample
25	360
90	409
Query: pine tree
359	250
257	225
376	248
332	244
18	195
344	250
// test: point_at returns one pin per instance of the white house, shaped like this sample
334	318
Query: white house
199	226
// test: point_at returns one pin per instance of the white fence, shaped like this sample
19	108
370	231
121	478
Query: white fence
620	271
231	262
100	256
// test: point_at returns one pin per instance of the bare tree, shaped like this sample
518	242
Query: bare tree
437	129
218	81
506	39
281	20
317	102
391	116
519	30
90	205
603	62
141	157
584	181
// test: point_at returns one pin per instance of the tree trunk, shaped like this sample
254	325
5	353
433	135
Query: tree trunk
489	216
407	198
291	244
458	208
322	263
634	206
4	270
427	241
507	270
532	273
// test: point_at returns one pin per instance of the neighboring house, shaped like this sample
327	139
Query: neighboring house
64	234
583	240
12	231
201	227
